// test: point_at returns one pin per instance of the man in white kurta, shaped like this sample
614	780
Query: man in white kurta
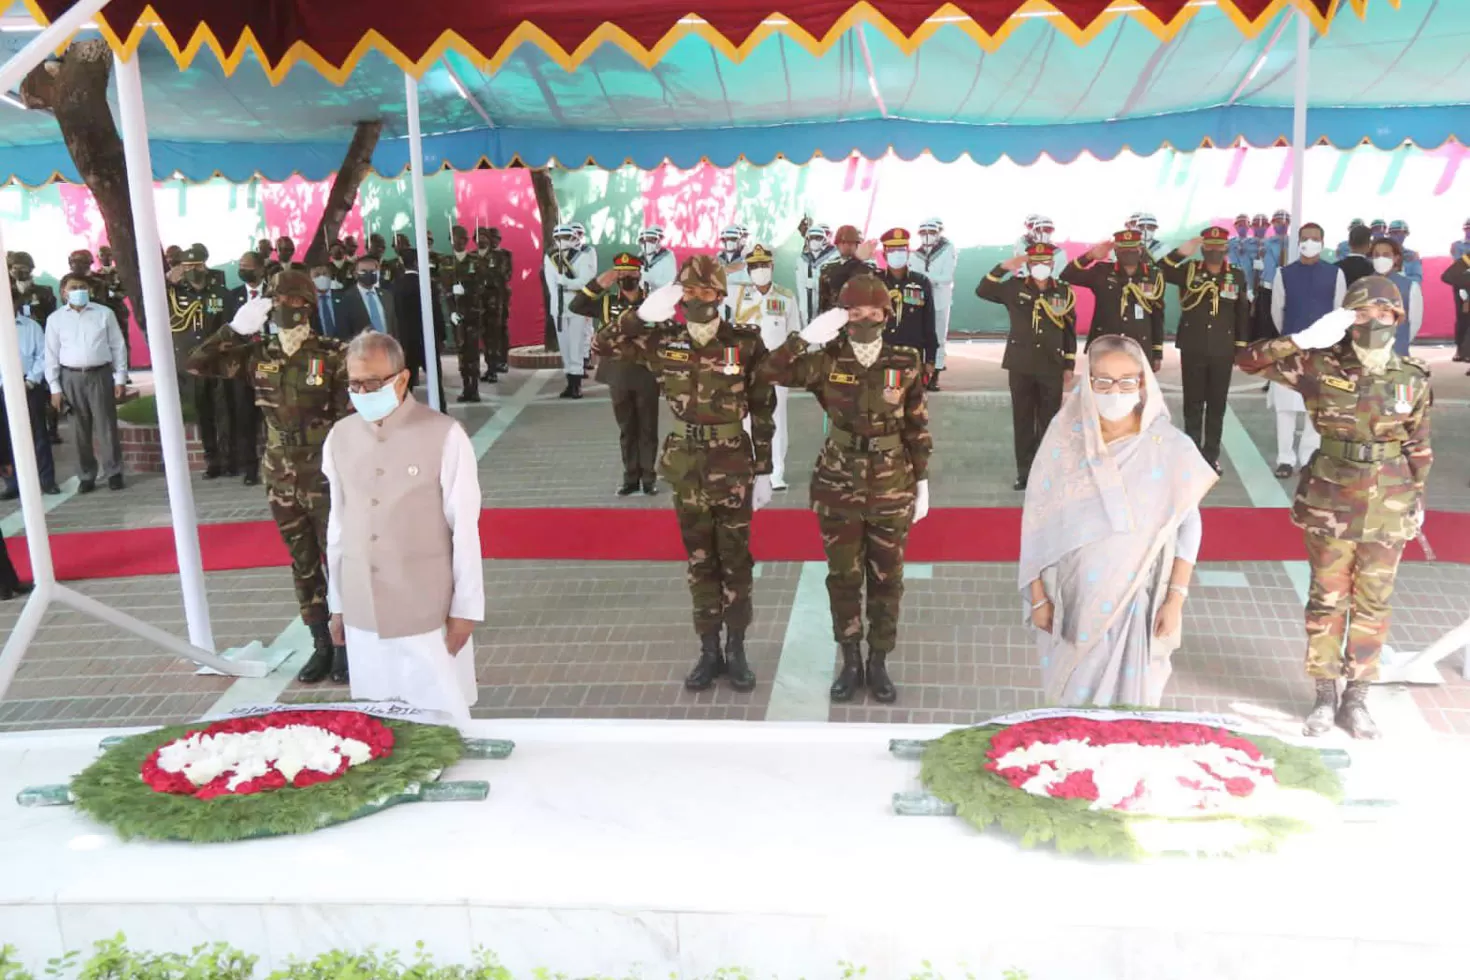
405	584
776	312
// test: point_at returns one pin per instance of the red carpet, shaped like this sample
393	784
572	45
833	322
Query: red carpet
595	534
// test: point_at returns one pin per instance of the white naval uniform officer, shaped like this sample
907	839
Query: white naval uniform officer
777	311
405	581
567	268
1040	229
816	256
936	258
660	265
732	257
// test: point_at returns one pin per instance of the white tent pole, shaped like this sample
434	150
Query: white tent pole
160	348
44	44
1299	127
421	235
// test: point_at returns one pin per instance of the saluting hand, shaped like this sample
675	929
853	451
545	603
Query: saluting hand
661	303
866	249
1014	264
1100	250
825	327
607	278
1190	247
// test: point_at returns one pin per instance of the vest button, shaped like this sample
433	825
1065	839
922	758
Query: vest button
380	472
375	501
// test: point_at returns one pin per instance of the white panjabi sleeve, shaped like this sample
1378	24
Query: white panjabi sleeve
1187	540
460	480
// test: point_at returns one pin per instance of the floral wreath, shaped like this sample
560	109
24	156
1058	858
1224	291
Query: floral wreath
278	772
1130	785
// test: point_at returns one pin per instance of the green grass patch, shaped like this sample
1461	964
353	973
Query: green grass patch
143	410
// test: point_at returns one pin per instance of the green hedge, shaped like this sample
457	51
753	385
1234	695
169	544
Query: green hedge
111	959
143	410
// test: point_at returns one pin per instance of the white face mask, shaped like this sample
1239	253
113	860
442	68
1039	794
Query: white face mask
929	238
1041	273
761	276
1041	236
460	254
1311	248
1115	405
323	283
1383	264
898	258
650	247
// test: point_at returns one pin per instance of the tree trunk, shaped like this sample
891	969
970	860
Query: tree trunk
74	90
550	218
355	166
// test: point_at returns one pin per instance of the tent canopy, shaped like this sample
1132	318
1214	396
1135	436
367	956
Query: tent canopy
1122	81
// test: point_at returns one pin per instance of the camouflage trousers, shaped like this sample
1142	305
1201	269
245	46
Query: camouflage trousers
716	535
1350	580
467	338
300	509
493	330
863	548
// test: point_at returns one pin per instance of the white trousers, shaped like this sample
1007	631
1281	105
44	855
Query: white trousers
574	335
1287	423
941	330
781	439
417	669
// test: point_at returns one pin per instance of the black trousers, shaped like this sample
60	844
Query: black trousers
1206	387
1034	400
636	409
1262	326
229	422
245	423
1462	326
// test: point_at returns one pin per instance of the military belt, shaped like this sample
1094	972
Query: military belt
1362	452
294	440
843	439
694	432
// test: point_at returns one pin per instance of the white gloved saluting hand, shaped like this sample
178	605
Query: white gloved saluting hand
250	318
1328	330
921	501
458	289
825	327
761	493
661	303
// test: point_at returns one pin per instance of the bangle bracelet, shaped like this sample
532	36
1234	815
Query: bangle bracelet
1182	592
1037	605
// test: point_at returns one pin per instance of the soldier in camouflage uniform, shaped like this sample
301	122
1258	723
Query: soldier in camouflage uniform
300	381
499	268
719	470
464	276
871	480
1362	496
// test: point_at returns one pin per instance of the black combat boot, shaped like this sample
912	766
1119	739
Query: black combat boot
1320	718
879	683
469	389
742	678
252	476
567	391
576	382
933	384
850	680
711	663
339	665
320	664
1352	714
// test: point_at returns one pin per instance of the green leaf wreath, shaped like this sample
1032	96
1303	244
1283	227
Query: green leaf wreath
953	769
112	790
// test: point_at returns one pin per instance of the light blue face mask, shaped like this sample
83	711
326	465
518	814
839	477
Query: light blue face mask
898	258
78	297
374	406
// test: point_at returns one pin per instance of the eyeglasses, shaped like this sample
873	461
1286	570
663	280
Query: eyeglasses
366	386
1126	385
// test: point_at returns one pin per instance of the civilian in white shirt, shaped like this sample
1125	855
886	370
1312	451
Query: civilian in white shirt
87	361
33	363
405	586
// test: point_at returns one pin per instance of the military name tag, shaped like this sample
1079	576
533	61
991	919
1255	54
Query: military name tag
1137	311
676	355
838	378
267	368
1339	383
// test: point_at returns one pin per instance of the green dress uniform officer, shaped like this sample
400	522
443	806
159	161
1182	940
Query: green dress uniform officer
197	308
871	481
1041	349
463	274
719	470
1128	292
852	260
300	381
634	388
1214	323
340	265
500	268
1362	496
912	297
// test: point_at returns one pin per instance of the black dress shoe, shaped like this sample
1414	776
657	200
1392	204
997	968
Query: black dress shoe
252	477
115	482
320	664
51	490
55	438
1283	471
850	680
340	673
628	489
489	377
711	664
212	471
650	487
1215	465
15	590
86	486
10	495
1020	483
468	397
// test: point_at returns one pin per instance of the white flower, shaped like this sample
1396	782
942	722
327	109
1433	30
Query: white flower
288	749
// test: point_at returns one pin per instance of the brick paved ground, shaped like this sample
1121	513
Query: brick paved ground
612	640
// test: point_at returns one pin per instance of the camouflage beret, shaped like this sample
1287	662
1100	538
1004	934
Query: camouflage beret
1372	290
24	258
864	290
196	253
293	282
703	270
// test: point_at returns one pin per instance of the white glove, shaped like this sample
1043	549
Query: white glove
455	318
661	303
760	494
1328	330
250	318
458	290
921	501
825	327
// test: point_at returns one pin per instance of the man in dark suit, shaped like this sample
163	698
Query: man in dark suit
326	310
240	391
363	306
410	316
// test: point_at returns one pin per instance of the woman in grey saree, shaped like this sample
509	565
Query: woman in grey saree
1110	534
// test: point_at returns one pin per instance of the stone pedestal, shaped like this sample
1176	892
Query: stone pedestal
142	451
534	358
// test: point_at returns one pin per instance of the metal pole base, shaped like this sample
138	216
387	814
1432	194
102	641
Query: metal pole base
1423	667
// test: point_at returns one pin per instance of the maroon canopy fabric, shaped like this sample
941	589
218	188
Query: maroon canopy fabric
418	30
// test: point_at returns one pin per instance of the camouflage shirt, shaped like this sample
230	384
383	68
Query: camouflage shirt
1353	501
472	274
300	396
499	266
884	400
718	383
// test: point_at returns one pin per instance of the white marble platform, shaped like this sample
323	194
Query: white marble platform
659	849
